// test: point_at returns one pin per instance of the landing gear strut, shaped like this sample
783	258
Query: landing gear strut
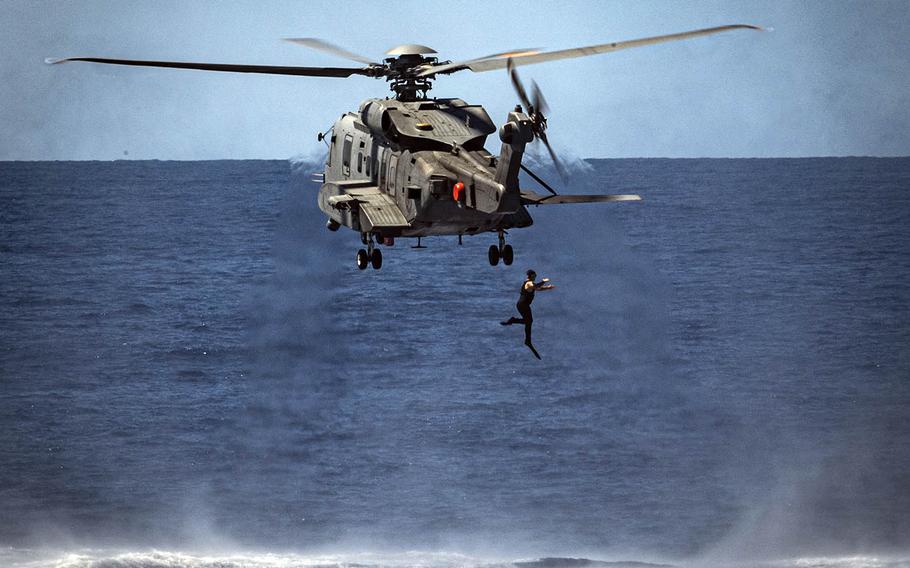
370	256
503	251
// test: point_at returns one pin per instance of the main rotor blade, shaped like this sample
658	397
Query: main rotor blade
446	68
232	68
320	45
480	65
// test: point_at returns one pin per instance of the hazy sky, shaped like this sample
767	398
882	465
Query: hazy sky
833	78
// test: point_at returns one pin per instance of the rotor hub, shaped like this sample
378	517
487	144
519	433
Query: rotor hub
402	74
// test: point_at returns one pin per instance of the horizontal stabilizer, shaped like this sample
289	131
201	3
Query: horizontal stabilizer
531	198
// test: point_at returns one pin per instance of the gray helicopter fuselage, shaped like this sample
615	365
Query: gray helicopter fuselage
392	170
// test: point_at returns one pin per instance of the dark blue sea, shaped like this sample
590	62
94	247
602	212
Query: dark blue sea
193	373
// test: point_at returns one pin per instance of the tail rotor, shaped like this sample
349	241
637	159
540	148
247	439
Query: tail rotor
536	108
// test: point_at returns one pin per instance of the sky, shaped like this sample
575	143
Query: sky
831	79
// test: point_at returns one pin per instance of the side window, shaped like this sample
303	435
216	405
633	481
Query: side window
359	162
331	151
346	155
393	166
373	164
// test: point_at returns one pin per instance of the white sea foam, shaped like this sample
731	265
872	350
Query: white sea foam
848	561
104	558
100	558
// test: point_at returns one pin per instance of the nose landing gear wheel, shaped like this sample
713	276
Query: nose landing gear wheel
362	259
376	259
507	255
493	255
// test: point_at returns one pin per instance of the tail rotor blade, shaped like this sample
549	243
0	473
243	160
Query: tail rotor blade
540	103
556	161
519	88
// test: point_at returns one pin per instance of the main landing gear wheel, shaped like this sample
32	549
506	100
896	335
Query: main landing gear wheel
370	256
503	251
362	259
493	255
507	255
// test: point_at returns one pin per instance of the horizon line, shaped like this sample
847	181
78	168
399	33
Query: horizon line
293	159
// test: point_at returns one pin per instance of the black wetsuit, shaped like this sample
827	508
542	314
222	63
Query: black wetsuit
524	308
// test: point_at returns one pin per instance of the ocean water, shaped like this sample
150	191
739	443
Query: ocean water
193	373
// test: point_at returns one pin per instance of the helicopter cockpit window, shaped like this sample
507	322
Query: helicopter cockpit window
346	155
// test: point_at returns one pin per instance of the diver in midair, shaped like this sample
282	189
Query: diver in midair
524	306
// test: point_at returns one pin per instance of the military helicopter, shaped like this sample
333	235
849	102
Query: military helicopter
415	166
